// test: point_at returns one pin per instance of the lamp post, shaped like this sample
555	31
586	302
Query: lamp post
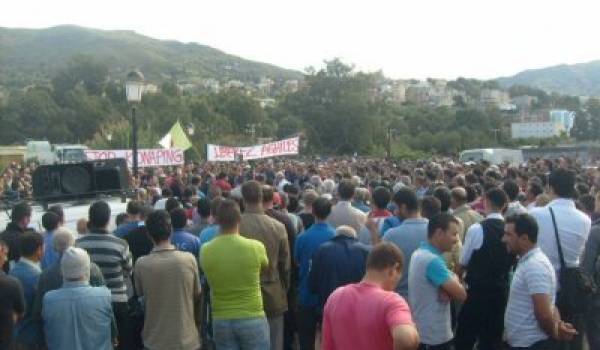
134	87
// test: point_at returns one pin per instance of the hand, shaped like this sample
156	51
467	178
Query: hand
443	296
565	331
372	225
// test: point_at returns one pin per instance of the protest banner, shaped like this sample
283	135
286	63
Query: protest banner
217	153
146	157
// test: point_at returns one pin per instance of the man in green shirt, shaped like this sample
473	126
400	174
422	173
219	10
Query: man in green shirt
232	265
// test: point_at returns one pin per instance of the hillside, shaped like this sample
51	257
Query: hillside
33	55
581	79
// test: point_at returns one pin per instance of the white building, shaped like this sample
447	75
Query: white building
539	130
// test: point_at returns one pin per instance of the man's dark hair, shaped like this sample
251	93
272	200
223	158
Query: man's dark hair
267	193
120	219
228	215
443	194
512	189
134	207
383	256
407	196
252	192
50	221
58	210
582	188
346	190
20	211
525	224
497	198
471	193
587	203
535	188
382	197
214	205
172	203
293	203
99	214
321	208
203	207
430	206
196	180
562	182
166	192
178	218
440	221
158	224
30	242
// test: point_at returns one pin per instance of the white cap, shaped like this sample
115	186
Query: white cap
75	264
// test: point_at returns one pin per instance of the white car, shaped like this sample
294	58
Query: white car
74	211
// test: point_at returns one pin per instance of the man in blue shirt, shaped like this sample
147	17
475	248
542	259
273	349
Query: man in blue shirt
27	270
78	316
337	262
181	239
410	234
431	285
306	245
50	223
134	213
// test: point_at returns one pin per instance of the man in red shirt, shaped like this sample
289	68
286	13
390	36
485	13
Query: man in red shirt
370	315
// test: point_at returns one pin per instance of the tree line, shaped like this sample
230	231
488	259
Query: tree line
337	110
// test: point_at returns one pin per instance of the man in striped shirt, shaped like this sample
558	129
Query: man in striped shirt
531	319
112	255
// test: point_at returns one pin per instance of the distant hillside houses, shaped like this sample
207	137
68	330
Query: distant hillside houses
265	87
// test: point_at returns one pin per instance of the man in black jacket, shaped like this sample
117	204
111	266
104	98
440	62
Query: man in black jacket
20	219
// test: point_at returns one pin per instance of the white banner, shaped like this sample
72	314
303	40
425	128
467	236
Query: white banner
146	157
273	149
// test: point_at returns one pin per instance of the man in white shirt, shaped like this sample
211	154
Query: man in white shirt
487	265
573	230
531	319
343	213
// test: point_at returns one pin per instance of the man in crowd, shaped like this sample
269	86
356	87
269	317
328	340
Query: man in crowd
338	262
307	217
512	191
573	228
181	239
343	213
112	255
232	264
487	264
167	280
78	316
431	285
531	318
410	234
20	217
52	278
591	265
369	315
27	270
138	240
462	210
306	245
379	204
12	301
275	280
50	222
134	212
212	230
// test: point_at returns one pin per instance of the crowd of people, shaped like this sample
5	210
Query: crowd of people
326	253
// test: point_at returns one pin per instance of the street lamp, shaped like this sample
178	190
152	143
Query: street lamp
134	86
190	129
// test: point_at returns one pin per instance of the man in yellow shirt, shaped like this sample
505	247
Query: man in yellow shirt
232	265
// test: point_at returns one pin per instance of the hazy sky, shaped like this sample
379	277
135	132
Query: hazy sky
404	38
